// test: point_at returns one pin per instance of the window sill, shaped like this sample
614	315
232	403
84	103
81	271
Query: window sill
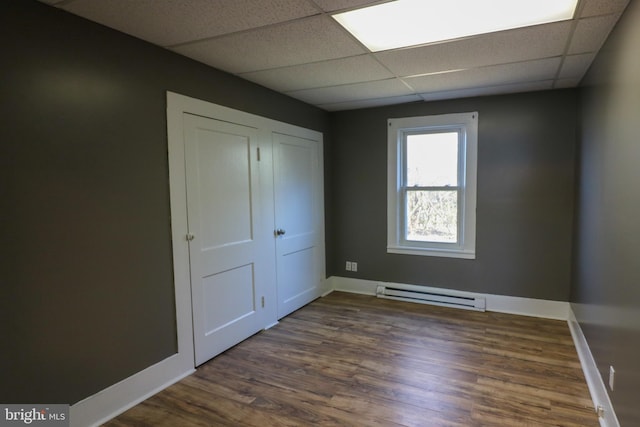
445	253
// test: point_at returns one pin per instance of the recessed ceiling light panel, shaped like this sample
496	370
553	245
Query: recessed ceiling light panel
403	23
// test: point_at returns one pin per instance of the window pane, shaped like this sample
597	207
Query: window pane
432	159
432	216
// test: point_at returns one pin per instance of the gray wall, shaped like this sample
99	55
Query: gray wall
87	282
526	157
606	288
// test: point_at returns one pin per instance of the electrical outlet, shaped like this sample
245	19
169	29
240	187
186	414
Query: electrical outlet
612	377
348	266
354	266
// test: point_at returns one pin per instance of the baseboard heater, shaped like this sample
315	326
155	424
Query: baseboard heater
422	295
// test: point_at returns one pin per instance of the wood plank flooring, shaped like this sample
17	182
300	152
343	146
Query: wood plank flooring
355	360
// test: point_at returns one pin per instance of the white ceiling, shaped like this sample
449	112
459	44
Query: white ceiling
295	47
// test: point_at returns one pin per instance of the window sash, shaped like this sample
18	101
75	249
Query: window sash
466	125
404	226
404	188
429	132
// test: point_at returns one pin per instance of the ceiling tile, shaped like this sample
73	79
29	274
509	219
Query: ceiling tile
497	48
591	33
368	103
575	66
297	42
353	92
544	69
296	47
493	90
170	22
334	72
602	7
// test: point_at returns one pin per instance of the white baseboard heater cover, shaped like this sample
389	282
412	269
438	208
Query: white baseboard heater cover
424	295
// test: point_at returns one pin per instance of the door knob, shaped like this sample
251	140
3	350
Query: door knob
280	232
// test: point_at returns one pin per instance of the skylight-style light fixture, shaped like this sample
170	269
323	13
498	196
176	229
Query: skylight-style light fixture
404	23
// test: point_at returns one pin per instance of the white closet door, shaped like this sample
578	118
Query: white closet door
226	257
298	207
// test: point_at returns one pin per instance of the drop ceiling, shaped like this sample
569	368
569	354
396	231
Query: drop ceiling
295	47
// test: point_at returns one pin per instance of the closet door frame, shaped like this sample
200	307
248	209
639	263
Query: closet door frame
177	106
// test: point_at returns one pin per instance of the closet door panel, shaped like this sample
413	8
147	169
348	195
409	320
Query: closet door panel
223	208
298	205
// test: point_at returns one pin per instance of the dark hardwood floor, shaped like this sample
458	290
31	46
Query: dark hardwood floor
355	360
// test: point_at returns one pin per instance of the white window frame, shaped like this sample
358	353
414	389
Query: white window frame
398	129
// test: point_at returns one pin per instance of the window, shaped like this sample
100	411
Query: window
432	185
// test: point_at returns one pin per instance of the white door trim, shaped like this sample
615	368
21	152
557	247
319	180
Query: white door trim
177	105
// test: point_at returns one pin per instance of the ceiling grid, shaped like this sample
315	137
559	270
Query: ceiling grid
297	48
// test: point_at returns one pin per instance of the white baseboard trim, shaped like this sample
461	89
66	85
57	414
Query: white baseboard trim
595	383
116	399
354	286
557	310
547	309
